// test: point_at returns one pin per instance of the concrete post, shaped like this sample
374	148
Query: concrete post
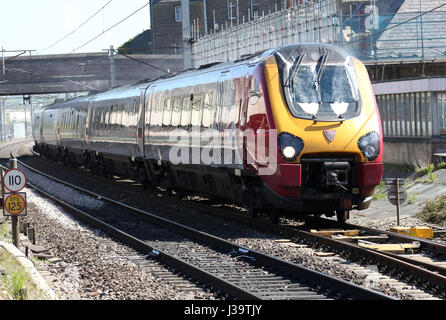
2	124
31	111
15	220
26	124
186	34
205	17
3	60
112	68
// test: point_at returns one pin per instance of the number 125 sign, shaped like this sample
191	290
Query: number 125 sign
14	204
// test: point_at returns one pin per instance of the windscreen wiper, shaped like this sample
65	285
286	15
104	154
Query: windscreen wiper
320	68
295	69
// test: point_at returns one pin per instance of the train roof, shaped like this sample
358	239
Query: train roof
249	59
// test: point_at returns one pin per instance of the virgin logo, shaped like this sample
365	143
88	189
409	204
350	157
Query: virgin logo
330	135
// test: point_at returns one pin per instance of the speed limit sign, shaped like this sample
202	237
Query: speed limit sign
14	204
14	180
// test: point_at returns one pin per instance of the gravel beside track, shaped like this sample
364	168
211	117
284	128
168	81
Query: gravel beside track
245	236
93	266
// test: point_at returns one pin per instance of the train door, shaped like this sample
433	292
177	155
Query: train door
79	126
138	112
57	127
40	119
87	121
148	103
221	113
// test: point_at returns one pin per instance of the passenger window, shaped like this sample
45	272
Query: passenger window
135	106
167	112
230	111
119	114
107	118
96	119
186	112
176	111
125	115
156	118
207	110
196	110
102	118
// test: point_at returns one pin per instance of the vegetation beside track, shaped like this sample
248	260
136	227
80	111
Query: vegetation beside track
434	211
15	282
380	192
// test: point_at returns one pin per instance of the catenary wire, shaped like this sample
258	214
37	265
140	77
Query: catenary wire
110	28
85	22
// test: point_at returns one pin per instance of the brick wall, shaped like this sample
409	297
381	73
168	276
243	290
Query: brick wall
167	33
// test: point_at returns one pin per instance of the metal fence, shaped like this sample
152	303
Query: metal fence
406	114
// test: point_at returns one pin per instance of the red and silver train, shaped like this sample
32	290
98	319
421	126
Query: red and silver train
293	129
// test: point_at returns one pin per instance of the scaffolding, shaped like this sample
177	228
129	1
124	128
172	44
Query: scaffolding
315	22
409	33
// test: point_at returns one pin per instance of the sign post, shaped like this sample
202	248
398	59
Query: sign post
14	203
397	195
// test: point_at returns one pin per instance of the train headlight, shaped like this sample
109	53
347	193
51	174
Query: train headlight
290	146
369	145
289	152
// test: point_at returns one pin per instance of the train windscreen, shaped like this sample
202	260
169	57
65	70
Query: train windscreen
320	87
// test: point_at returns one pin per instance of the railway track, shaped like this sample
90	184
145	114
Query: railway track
423	262
239	272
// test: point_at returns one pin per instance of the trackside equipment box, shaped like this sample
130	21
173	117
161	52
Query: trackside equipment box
420	232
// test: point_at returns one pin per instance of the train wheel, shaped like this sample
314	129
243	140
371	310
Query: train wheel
342	215
253	212
59	156
100	167
66	159
275	216
86	161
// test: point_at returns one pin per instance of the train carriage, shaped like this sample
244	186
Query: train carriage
294	128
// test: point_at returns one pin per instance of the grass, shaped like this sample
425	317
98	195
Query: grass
412	198
427	172
380	192
434	211
16	281
4	233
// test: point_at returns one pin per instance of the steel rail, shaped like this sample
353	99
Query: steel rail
323	280
425	244
433	273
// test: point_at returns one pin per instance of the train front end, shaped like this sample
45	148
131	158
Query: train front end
330	140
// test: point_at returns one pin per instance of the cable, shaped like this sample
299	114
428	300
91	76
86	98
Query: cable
105	31
142	62
103	7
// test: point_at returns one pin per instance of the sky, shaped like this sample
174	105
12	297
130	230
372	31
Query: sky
37	24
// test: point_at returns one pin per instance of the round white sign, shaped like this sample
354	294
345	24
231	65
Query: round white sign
14	180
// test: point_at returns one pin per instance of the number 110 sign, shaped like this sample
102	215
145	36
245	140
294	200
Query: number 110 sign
14	180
